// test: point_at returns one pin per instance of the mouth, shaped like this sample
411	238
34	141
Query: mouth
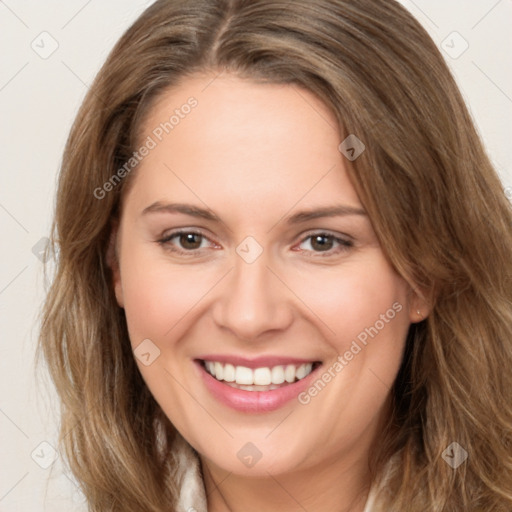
263	378
256	386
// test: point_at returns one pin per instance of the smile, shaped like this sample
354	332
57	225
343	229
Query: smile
264	378
256	386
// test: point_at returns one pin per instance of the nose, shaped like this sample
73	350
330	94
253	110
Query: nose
253	301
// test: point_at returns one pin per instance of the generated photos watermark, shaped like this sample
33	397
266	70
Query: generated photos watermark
344	359
150	143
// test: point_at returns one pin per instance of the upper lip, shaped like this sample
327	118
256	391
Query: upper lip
257	362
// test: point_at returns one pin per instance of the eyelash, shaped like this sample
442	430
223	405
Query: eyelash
344	244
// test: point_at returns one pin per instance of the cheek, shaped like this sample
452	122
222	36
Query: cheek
350	298
158	295
365	306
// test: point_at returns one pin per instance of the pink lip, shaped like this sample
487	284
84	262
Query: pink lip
258	362
254	401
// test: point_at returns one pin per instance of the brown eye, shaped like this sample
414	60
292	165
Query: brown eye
187	243
190	240
325	244
322	242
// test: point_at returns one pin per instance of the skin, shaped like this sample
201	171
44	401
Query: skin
255	154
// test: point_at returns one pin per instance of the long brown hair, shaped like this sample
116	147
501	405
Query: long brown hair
434	200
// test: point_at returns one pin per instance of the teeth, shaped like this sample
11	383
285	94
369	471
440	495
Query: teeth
242	377
229	373
289	373
277	375
219	371
262	376
301	371
254	388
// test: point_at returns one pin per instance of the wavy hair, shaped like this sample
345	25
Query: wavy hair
434	200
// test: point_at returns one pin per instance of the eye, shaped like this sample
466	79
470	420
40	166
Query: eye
325	243
185	242
190	243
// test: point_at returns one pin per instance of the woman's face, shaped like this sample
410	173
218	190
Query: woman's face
277	273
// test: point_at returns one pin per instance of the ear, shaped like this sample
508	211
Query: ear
112	257
419	307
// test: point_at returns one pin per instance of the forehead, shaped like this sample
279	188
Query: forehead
252	142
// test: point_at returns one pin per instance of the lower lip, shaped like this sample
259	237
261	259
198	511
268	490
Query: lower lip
254	401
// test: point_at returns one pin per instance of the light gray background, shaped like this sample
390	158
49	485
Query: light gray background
38	101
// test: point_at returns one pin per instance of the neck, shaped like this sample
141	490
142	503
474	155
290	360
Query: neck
340	482
339	485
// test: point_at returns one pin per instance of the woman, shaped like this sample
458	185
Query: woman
284	270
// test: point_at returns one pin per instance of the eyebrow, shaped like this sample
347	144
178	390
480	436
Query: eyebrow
297	218
186	209
328	211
